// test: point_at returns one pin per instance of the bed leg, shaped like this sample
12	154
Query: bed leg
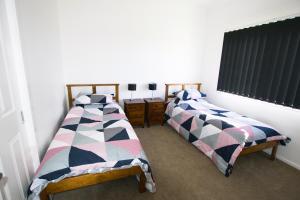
274	151
142	187
163	121
44	195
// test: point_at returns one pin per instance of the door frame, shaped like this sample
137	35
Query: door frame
21	82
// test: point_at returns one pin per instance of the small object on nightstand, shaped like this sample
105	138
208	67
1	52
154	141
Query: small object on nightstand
152	87
135	111
155	109
131	87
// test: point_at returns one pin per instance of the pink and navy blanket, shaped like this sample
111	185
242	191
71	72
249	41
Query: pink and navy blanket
93	138
220	134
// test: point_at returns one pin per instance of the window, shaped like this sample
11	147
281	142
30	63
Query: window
263	62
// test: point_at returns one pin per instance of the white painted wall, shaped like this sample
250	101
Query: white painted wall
137	41
39	31
237	14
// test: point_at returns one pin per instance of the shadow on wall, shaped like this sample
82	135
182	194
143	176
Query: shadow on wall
59	122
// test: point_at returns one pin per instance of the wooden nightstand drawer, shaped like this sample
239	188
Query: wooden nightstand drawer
156	118
135	107
154	111
156	106
135	114
135	111
155	114
137	122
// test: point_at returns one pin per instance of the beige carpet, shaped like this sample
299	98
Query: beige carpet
183	172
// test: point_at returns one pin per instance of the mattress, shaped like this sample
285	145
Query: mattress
93	138
219	133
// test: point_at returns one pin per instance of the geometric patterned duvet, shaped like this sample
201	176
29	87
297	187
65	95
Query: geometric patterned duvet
220	134
92	139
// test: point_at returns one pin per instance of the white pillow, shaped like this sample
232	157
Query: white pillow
189	94
195	94
82	99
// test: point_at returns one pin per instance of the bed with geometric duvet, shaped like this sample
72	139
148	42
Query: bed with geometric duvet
222	135
95	137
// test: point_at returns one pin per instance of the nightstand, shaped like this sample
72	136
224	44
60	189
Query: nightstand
135	111
155	109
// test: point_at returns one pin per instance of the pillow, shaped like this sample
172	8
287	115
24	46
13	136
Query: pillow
183	95
189	94
195	94
82	99
101	98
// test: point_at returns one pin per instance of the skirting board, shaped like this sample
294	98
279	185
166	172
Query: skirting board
283	159
295	165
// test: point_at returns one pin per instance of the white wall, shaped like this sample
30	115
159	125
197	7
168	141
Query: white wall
39	31
137	41
237	14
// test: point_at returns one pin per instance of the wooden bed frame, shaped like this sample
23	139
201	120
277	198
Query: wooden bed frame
85	180
94	90
245	151
182	87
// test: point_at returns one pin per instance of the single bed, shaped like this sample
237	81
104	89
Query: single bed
220	134
94	144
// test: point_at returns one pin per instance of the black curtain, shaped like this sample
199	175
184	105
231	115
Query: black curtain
263	62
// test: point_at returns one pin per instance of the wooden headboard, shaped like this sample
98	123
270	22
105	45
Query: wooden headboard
182	87
94	89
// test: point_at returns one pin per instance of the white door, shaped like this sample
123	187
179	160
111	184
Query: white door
15	154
